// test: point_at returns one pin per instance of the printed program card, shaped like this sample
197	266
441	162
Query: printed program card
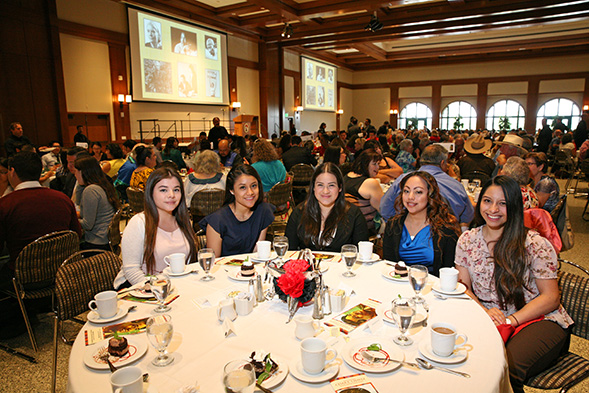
355	316
351	383
94	335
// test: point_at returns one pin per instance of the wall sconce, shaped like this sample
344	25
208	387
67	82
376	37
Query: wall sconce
340	111
235	105
300	108
586	107
393	111
121	100
128	99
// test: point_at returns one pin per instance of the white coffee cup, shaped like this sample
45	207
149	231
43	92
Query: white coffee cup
448	278
365	250
244	303
305	327
176	262
264	247
226	309
314	353
338	302
444	339
105	303
127	380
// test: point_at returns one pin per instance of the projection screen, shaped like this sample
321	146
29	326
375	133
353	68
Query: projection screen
319	85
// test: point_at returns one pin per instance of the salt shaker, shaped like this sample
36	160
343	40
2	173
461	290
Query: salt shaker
318	304
251	288
326	300
259	289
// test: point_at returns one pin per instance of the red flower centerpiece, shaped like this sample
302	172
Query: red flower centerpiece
294	283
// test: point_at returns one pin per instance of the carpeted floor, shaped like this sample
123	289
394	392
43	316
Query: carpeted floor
18	375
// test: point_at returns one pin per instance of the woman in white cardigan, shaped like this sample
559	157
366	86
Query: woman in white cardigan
162	229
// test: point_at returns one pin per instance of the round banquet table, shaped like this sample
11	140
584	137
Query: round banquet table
200	348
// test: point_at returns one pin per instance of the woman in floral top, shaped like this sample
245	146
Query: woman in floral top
511	273
404	159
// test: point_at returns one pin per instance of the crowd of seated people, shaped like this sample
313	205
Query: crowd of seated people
401	186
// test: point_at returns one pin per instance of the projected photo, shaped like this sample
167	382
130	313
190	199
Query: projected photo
211	47
329	98
187	78
157	76
153	34
321	96
320	74
183	42
310	73
330	75
311	99
212	83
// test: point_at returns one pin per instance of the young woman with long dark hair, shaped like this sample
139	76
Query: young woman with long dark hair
244	218
146	160
511	272
98	202
424	231
171	152
162	229
326	221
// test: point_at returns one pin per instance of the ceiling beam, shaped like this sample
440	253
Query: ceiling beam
371	50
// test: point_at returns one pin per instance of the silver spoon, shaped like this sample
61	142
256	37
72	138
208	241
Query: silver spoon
442	297
428	366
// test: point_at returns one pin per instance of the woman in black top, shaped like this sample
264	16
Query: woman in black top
325	221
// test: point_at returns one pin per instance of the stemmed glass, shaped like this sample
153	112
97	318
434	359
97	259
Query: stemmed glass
159	333
403	312
281	247
349	255
418	278
161	286
239	377
206	258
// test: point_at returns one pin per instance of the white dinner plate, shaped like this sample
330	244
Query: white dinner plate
94	317
255	258
352	354
137	349
418	319
374	258
389	273
187	269
327	374
235	274
280	374
460	289
459	355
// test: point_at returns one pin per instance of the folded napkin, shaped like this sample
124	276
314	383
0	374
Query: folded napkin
228	328
507	331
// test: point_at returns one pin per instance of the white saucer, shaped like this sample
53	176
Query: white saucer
374	258
458	356
187	269
460	289
418	319
236	275
327	374
94	317
255	258
389	273
137	348
351	353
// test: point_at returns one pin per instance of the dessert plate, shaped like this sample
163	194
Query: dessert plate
418	319
94	317
460	289
235	274
328	373
255	258
459	355
352	354
280	374
389	273
374	258
137	349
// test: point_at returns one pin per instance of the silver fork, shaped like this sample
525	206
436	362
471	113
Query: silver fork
374	359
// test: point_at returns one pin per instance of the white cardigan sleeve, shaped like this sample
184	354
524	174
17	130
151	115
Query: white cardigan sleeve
132	251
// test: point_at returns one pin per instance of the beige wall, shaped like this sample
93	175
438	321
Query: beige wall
242	49
248	91
372	103
292	61
104	14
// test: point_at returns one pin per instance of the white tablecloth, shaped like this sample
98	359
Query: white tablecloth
201	350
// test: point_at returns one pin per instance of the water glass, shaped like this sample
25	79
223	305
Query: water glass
161	286
159	333
206	258
403	312
349	255
239	377
281	247
418	278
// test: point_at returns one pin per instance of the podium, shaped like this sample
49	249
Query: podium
246	125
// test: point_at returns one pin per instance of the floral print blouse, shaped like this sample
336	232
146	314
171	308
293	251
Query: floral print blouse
405	161
529	197
473	254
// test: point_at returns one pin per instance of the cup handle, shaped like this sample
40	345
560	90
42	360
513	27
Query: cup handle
166	260
463	343
119	390
92	305
327	358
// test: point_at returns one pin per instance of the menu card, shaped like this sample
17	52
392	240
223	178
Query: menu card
342	384
94	335
355	316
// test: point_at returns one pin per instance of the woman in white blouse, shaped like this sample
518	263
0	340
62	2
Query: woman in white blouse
162	229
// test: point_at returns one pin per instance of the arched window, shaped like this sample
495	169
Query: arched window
459	112
506	114
416	115
559	107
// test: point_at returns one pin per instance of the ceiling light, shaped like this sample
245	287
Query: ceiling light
287	31
374	24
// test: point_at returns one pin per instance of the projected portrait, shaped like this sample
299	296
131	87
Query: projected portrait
330	75
320	74
310	74
153	34
321	96
212	82
311	95
186	80
210	47
157	76
329	98
183	42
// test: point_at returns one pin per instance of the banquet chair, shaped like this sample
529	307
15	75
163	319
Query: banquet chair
281	197
582	174
114	232
205	202
136	199
570	368
78	279
35	269
302	174
200	239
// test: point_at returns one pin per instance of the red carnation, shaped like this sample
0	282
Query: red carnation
292	283
296	265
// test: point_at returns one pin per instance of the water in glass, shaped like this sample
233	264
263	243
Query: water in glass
418	275
403	312
239	381
206	258
159	331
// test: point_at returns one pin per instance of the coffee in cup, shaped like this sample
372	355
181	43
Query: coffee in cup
176	262
105	304
443	337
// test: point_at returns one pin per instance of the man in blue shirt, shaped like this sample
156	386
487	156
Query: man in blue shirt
227	156
433	161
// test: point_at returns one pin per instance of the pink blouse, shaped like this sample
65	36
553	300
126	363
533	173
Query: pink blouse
473	254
